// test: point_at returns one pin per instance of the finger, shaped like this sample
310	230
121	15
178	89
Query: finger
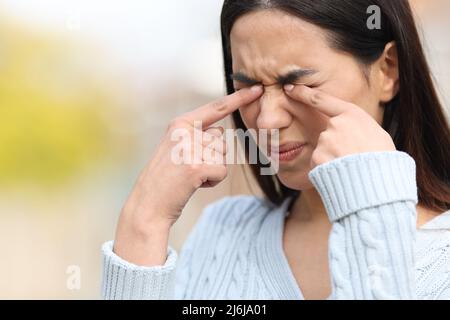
214	173
209	184
215	131
219	109
325	103
213	142
211	156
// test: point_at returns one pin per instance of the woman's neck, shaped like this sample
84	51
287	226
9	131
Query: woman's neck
308	208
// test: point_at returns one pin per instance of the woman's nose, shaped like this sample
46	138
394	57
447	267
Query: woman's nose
273	113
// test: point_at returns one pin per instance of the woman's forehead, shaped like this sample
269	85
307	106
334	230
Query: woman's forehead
275	41
273	24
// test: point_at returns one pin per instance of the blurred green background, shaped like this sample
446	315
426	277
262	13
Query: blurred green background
86	90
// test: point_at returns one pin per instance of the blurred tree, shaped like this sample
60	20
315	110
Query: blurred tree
50	123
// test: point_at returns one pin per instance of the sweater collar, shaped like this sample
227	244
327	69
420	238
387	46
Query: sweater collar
441	222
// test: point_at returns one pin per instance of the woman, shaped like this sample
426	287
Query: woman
359	206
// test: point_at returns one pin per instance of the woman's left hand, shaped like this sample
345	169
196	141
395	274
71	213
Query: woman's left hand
350	129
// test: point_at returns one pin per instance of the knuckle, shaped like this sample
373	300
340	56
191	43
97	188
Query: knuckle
198	182
336	122
220	105
207	139
195	170
223	172
300	90
323	136
175	123
241	94
316	157
316	98
219	131
217	143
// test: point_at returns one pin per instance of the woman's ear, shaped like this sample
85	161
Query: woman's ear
389	75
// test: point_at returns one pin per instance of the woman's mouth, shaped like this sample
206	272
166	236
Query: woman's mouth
287	151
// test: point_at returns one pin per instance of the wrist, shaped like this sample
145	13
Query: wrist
146	215
142	241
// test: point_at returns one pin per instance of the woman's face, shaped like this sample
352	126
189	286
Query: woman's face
267	45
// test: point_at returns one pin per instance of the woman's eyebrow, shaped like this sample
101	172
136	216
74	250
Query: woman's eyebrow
241	77
290	77
295	75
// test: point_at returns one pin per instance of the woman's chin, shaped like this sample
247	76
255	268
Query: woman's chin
295	181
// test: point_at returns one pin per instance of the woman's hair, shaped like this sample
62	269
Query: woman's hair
414	118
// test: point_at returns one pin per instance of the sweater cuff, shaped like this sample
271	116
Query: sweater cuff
360	181
123	280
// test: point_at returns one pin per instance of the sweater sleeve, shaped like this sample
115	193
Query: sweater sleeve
371	201
122	280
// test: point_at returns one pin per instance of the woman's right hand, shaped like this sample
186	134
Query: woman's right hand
165	185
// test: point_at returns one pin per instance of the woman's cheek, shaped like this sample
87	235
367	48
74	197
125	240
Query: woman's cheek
355	90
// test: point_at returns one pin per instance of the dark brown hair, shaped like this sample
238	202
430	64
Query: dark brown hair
414	118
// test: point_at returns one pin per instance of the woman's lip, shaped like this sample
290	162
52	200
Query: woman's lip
286	147
288	151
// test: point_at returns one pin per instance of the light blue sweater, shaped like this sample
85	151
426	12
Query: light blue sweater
235	250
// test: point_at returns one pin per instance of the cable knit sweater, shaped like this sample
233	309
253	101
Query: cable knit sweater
235	251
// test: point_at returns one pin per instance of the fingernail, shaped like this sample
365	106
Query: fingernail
256	89
289	87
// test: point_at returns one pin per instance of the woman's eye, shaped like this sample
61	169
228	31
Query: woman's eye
296	83
238	87
312	86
